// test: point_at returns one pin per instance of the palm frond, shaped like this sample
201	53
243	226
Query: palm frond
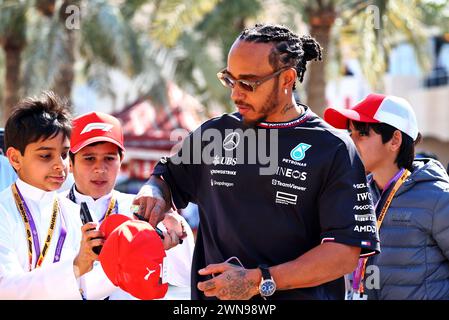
196	72
175	16
409	21
159	67
398	22
13	20
130	7
43	54
108	38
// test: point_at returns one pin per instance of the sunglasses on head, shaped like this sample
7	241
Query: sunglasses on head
249	85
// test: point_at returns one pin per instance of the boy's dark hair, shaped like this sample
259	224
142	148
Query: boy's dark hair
406	153
289	49
72	155
35	118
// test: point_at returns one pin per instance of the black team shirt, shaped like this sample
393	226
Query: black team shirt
316	192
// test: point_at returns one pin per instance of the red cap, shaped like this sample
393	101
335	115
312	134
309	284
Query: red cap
113	221
375	108
132	257
95	127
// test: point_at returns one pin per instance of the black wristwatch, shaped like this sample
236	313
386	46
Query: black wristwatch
267	285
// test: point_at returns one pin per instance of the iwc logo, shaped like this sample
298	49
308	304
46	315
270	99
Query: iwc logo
231	141
299	152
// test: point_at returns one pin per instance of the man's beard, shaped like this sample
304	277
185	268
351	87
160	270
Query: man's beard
267	109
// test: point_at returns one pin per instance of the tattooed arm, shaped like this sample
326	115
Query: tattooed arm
233	283
326	262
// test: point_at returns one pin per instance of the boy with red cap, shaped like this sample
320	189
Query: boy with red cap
96	153
411	200
43	254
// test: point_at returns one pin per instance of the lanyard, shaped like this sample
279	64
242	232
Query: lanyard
31	230
113	203
359	272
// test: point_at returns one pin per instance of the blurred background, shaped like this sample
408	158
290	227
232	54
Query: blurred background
153	64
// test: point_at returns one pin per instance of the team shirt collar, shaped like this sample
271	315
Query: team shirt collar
293	123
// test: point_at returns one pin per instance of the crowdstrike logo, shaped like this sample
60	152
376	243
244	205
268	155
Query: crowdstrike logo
97	126
231	141
299	152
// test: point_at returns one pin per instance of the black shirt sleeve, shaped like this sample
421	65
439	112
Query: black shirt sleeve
180	173
346	209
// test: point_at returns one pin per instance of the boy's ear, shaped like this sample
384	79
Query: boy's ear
70	165
14	157
396	140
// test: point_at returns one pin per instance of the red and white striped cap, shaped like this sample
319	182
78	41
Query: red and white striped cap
376	108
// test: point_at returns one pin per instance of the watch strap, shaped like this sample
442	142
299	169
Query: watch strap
265	271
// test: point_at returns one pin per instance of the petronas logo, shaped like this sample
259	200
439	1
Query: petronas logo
299	152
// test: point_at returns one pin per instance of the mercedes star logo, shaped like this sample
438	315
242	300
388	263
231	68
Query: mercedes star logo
231	141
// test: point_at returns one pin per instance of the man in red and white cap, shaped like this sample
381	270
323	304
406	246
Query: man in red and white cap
410	197
96	153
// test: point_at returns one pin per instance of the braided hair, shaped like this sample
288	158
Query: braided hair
289	49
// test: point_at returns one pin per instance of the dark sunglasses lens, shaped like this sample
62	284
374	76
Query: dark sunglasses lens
229	82
226	80
246	86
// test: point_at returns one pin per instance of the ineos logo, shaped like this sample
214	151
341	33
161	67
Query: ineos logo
231	141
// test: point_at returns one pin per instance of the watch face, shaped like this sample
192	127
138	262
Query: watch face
267	287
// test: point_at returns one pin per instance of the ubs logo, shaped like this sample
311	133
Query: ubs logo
231	141
227	161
